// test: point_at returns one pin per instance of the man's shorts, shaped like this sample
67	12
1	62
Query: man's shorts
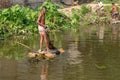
41	30
115	14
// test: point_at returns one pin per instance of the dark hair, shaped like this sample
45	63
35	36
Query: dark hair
113	3
98	0
44	7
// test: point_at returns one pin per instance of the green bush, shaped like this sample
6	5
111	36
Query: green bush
76	16
18	20
84	10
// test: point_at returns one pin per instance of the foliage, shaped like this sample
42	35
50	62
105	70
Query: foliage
85	16
17	20
79	15
84	10
21	20
76	16
107	8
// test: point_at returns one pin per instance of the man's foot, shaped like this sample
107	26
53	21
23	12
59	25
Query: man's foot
39	50
47	50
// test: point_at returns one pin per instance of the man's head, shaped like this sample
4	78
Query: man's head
98	1
44	9
113	3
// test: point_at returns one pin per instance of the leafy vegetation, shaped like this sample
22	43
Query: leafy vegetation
82	16
18	20
84	10
75	16
85	16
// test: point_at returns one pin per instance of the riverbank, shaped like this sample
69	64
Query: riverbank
19	20
68	10
91	16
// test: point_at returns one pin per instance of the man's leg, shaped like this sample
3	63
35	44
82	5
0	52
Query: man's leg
46	42
117	16
47	35
41	41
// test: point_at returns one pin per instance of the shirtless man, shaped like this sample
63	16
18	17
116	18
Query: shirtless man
41	28
114	12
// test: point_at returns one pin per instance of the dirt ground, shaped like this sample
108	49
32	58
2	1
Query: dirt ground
68	10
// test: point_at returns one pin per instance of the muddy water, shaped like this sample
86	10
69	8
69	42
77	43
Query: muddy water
92	53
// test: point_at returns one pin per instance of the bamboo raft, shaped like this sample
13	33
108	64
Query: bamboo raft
115	22
44	54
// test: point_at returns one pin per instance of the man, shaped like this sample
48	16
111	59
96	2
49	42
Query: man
114	12
41	28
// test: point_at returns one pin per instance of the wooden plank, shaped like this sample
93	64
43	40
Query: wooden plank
44	54
115	22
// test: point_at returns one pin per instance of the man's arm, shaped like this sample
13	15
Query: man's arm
117	8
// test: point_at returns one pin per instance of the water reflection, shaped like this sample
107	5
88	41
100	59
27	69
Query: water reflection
73	53
115	32
9	49
101	33
92	53
7	69
44	71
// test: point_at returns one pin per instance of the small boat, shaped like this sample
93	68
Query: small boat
44	54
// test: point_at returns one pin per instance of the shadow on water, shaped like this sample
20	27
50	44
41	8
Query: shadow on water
91	53
44	71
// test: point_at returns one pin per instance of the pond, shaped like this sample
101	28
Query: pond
91	53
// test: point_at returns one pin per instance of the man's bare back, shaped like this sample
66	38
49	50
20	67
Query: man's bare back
114	8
